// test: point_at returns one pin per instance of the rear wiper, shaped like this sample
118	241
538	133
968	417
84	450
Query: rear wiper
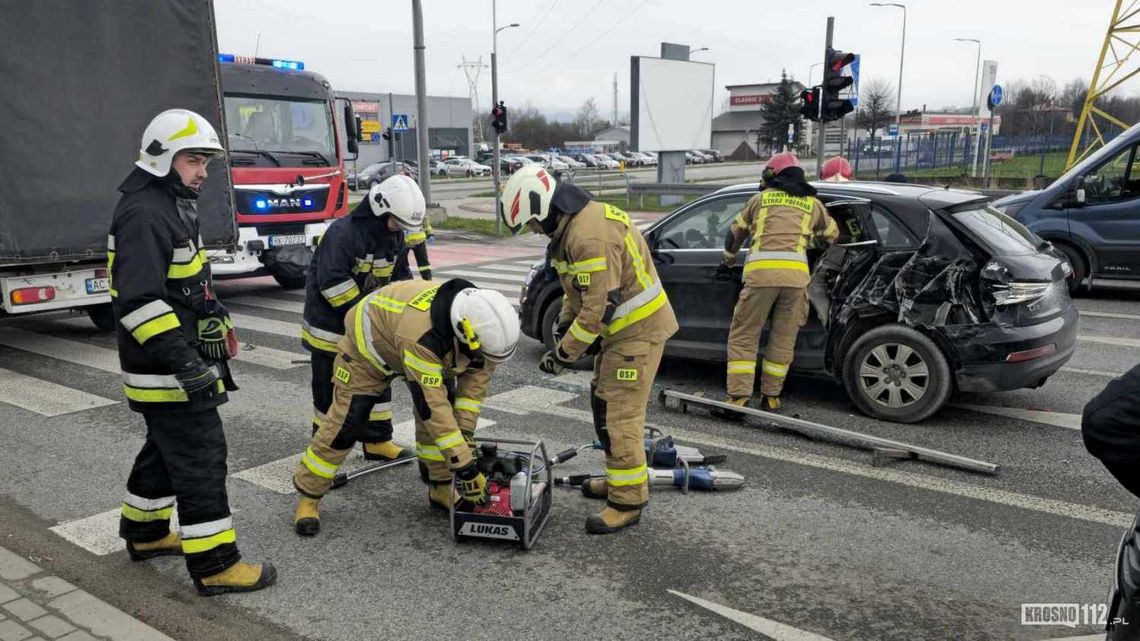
257	152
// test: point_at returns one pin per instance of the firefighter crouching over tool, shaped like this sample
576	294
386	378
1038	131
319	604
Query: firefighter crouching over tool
174	338
614	304
782	220
356	254
445	341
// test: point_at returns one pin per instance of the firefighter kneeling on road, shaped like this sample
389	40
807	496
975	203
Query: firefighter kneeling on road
445	341
782	220
357	254
174	339
614	304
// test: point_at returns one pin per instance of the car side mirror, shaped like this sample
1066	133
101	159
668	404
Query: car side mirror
1078	195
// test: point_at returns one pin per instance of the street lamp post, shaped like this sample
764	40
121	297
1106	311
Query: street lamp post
495	169
698	50
898	100
977	69
1052	97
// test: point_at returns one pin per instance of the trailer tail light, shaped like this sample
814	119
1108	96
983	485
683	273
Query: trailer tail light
1030	354
29	295
100	273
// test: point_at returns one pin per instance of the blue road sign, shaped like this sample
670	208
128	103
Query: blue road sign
995	97
892	130
854	67
400	123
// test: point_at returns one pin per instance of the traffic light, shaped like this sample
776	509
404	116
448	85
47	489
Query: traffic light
499	118
387	134
832	107
809	99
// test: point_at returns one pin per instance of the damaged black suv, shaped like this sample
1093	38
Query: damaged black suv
927	291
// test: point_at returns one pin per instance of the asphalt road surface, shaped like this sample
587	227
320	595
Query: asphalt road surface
820	544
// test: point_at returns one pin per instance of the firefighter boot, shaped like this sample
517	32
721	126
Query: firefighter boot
384	451
169	545
739	401
595	488
239	577
770	403
610	520
441	496
307	518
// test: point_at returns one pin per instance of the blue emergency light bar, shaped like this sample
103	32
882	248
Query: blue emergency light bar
277	63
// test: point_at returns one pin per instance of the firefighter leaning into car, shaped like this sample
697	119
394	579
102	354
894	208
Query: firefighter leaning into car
355	255
1110	426
614	304
445	341
174	338
836	170
782	220
416	243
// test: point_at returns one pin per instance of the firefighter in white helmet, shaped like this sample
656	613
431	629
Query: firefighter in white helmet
614	305
445	341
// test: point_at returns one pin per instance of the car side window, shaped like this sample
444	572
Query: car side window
704	225
891	233
1114	181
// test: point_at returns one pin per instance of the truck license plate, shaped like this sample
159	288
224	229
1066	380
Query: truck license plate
98	285
282	241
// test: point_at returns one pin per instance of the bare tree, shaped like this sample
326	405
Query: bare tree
875	101
587	119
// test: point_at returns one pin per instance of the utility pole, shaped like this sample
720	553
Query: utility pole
391	134
615	118
472	69
495	168
822	124
424	155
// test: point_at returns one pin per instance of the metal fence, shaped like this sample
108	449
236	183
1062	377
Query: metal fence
951	151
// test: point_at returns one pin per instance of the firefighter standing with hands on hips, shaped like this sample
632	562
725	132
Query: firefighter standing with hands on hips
357	254
174	340
782	220
614	304
445	341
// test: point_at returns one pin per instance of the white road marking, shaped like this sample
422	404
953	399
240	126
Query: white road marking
267	326
44	397
575	378
99	533
526	402
522	400
269	357
264	302
61	348
773	629
1087	637
529	262
1059	419
1110	340
479	276
1110	315
1091	372
502	267
508	289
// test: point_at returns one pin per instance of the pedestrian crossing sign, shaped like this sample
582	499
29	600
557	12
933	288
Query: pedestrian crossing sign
400	123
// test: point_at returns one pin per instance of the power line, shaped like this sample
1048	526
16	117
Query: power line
569	31
533	29
607	31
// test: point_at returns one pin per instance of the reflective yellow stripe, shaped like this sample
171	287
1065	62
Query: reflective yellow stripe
758	228
794	265
346	297
641	313
638	263
190	129
464	404
142	395
318	465
207	543
319	343
428	452
380	415
582	335
775	369
156	326
187	270
383	271
132	513
742	367
415	238
389	304
740	221
450	440
362	345
805	234
617	477
422	366
589	265
831	230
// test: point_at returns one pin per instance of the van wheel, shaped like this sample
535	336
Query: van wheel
550	323
1077	261
896	373
287	282
102	316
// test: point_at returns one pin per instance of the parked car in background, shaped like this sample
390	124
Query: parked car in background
646	159
704	158
692	158
938	291
571	163
606	162
377	173
715	155
586	159
463	167
1091	213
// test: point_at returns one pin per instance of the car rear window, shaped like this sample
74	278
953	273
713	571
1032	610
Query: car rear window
1000	234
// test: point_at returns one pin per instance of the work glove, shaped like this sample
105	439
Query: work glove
724	273
471	483
217	339
196	376
553	362
561	330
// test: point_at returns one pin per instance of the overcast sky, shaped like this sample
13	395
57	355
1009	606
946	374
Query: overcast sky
568	50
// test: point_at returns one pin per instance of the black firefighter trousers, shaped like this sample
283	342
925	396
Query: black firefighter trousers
183	460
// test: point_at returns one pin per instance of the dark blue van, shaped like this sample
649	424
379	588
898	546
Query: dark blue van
1091	214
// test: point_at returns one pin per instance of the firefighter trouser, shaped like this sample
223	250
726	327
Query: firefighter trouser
434	467
787	307
379	427
619	393
183	460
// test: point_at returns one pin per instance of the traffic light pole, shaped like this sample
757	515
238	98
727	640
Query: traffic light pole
823	97
424	154
495	168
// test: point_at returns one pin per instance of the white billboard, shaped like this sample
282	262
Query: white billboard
672	106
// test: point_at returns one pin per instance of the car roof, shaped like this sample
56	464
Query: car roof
933	197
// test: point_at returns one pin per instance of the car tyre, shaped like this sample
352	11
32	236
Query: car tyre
549	323
102	316
896	373
1077	262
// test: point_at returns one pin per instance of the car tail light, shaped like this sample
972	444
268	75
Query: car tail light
29	295
1016	292
1030	354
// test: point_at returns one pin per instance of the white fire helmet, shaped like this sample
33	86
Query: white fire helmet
401	197
484	320
172	131
526	197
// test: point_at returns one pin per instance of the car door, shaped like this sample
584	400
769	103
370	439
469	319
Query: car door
1108	222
